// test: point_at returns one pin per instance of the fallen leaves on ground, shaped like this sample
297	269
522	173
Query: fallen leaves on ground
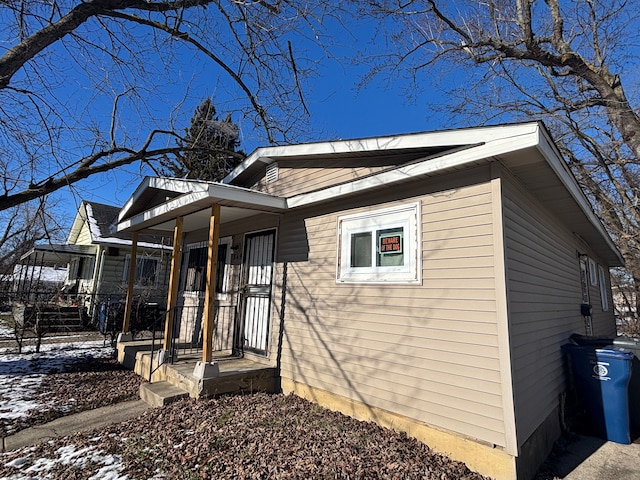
258	436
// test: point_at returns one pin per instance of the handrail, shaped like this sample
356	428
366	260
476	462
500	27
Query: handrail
186	335
157	323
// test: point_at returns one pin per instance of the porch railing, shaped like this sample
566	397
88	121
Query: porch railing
186	340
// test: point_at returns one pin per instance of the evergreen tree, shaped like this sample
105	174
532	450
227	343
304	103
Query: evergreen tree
210	147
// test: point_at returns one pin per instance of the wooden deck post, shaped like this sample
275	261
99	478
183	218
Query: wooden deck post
130	282
210	289
174	276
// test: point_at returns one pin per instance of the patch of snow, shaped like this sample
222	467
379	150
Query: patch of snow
111	466
21	374
43	274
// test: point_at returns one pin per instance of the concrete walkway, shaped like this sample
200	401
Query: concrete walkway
590	458
79	422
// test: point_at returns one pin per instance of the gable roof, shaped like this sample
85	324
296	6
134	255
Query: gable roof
525	149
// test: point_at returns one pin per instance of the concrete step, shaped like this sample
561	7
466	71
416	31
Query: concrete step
158	394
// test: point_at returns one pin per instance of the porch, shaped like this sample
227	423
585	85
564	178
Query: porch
172	381
219	298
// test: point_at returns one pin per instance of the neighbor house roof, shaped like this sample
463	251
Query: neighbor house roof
526	149
101	220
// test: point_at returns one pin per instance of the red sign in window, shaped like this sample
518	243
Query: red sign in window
391	244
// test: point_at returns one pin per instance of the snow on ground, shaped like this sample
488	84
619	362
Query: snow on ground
69	456
20	374
5	331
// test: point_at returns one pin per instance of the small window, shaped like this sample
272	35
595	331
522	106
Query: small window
584	280
604	299
196	265
593	273
380	246
146	271
224	265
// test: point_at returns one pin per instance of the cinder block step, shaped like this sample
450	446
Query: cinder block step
159	394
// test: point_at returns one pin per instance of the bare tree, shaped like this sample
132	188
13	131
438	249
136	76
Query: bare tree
83	84
558	60
24	226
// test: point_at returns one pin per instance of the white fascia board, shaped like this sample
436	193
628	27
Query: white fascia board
465	136
190	202
553	157
244	195
162	183
122	242
155	215
74	231
179	185
144	184
426	167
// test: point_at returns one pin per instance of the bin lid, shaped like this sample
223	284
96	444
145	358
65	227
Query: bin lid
627	342
609	351
586	341
612	353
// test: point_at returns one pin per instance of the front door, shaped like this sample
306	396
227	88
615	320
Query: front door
257	275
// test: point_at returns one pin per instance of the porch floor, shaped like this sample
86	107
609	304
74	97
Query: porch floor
236	374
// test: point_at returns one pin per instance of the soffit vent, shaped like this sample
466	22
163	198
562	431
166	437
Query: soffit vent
272	172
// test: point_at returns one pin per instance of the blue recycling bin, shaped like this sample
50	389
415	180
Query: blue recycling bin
601	379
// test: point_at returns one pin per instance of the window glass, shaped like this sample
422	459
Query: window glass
584	280
593	274
604	299
195	267
389	247
361	249
380	246
146	274
221	267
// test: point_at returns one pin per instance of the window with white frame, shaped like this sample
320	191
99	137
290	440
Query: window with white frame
584	285
604	299
380	246
593	272
147	269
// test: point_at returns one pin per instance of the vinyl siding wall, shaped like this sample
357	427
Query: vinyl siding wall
114	279
299	176
544	303
84	237
428	352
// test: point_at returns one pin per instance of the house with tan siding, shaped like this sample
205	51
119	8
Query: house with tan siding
422	281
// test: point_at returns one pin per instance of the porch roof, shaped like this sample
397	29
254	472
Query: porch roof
57	254
157	202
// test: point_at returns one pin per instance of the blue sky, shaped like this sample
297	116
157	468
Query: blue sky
183	79
338	109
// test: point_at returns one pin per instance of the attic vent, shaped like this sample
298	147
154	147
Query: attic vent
272	172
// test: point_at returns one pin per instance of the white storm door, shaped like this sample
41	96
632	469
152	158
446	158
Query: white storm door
256	290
